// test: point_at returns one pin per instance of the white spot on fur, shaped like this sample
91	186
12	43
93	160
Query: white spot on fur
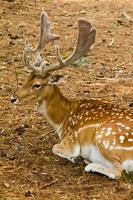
124	148
122	138
99	141
106	144
113	133
127	128
130	139
114	142
119	124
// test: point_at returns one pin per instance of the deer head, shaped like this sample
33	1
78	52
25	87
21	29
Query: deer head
37	85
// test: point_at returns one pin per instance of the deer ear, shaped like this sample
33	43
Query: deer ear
56	79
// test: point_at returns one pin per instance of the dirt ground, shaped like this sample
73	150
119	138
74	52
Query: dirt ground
28	168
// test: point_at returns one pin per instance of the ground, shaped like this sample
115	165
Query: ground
28	168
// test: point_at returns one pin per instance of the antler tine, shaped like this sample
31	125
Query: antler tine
45	36
45	32
86	37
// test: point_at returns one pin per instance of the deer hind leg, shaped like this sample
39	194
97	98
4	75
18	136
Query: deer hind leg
113	173
67	149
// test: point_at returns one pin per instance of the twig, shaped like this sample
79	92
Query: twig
111	43
124	14
47	133
49	184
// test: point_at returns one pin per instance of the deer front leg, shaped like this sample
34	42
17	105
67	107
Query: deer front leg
114	173
67	149
87	161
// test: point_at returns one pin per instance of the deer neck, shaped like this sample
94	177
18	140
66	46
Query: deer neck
55	108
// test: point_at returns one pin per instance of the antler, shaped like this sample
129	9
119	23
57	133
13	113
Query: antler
86	37
45	36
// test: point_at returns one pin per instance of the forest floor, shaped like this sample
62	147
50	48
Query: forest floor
28	168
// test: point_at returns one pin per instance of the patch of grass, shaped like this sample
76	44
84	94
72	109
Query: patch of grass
127	176
2	139
83	62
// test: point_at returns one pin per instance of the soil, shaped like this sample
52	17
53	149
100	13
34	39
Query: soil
28	168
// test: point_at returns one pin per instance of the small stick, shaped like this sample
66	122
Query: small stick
111	43
124	14
49	184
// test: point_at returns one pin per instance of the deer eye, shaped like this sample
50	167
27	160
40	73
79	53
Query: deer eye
36	85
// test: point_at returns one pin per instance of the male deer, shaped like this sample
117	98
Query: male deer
96	130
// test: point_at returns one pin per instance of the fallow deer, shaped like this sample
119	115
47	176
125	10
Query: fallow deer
96	130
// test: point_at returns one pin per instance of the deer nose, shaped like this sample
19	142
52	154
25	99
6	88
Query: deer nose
13	99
